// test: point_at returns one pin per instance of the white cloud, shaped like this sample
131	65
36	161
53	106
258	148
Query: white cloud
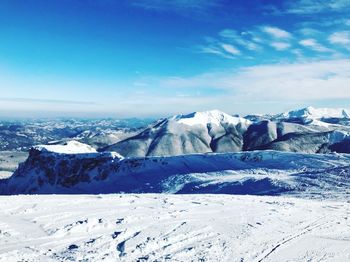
317	6
231	43
280	46
328	79
309	31
230	49
239	39
341	38
229	33
314	45
210	50
245	89
217	50
276	32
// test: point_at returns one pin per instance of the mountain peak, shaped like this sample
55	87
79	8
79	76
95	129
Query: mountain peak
70	147
215	117
318	113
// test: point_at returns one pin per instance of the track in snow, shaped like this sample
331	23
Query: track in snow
151	227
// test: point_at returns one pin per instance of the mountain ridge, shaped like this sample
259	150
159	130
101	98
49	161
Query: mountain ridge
216	131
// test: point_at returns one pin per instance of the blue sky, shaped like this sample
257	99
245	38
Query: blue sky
156	58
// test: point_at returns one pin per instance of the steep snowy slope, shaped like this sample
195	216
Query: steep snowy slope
199	132
258	172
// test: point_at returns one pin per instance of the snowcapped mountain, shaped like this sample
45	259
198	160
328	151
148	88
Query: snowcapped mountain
199	132
213	117
304	130
257	172
315	116
318	113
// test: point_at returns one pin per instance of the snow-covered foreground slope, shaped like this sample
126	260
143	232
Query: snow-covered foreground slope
159	227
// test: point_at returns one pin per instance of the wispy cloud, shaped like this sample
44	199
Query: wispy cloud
314	45
218	50
301	43
341	38
280	46
46	101
230	49
307	31
247	89
298	81
219	47
240	39
317	6
276	32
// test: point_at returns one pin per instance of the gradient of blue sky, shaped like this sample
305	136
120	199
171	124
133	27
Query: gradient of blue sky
155	58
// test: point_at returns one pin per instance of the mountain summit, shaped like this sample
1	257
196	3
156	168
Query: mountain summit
198	132
312	115
213	117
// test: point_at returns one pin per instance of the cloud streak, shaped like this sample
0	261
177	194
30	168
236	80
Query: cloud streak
341	38
314	45
303	7
276	32
280	46
46	101
230	49
304	42
326	79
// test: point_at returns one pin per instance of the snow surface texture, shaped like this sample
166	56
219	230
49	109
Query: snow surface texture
256	172
162	227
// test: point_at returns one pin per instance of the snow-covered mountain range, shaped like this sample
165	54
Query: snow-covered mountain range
176	155
317	113
306	130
